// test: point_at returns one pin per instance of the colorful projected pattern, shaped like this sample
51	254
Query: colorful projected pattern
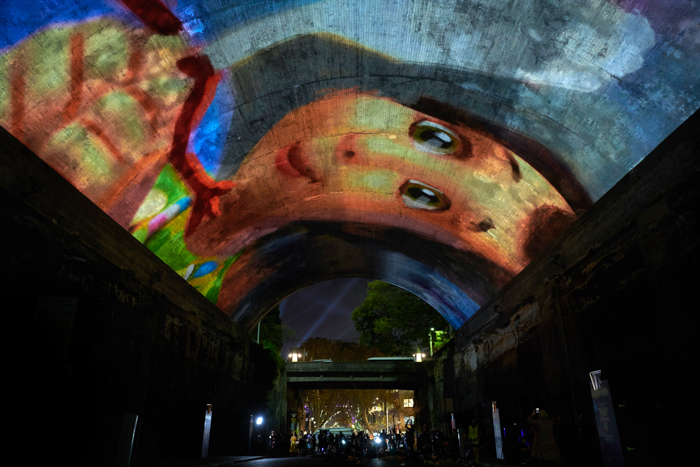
208	128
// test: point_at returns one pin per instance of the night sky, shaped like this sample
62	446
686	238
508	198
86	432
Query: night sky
323	310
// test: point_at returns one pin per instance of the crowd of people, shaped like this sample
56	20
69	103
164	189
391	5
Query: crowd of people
398	441
542	439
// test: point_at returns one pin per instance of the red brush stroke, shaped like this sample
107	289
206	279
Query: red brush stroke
148	104
17	103
135	63
77	47
95	129
155	15
207	191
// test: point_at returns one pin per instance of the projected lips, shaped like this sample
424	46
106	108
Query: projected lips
418	195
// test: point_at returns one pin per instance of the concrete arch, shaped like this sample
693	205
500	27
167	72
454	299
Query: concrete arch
453	281
596	84
310	132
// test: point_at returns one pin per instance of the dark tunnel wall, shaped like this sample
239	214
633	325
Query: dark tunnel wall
617	293
617	297
107	329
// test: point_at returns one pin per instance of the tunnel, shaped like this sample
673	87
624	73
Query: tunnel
172	171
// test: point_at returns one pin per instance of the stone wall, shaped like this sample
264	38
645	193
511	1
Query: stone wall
106	329
616	293
439	387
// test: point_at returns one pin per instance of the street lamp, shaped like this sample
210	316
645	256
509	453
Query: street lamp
258	421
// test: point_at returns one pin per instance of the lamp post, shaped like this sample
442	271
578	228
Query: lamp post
386	407
250	433
257	421
431	341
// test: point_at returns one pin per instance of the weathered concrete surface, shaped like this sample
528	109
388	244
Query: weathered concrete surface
356	375
615	293
440	389
276	407
133	337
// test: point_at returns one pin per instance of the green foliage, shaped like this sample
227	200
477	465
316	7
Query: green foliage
273	335
267	369
279	361
397	322
440	338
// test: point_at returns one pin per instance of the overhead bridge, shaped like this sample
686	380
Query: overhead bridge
356	375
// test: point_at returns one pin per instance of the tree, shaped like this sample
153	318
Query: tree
316	348
354	408
361	403
273	334
396	321
324	405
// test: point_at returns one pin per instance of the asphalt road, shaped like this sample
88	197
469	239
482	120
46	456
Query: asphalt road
325	462
289	462
317	461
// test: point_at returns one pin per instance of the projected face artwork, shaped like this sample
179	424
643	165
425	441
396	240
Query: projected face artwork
443	181
210	132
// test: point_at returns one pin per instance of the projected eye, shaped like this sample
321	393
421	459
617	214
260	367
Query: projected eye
434	138
418	195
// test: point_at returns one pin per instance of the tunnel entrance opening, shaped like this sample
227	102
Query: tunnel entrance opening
361	423
351	410
454	282
352	320
323	310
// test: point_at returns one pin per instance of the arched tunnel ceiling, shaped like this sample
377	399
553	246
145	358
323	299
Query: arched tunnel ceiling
258	147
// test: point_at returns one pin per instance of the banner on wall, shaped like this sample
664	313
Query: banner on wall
605	420
497	430
207	432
